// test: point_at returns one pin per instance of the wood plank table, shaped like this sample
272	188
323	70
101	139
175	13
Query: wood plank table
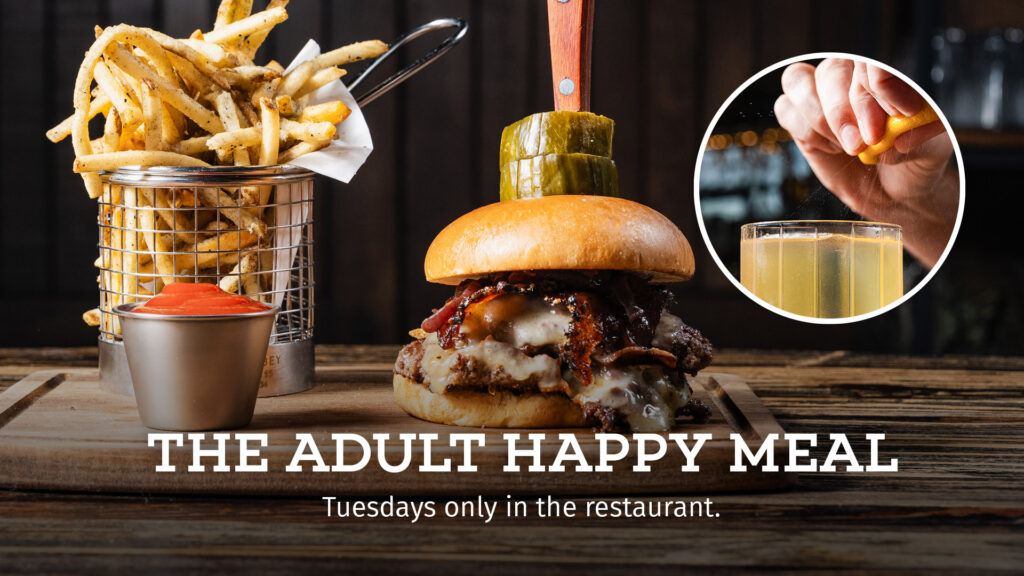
957	503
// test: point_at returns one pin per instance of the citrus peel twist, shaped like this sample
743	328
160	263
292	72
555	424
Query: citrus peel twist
895	126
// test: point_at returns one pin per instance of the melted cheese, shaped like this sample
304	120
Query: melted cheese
644	394
491	356
493	332
668	325
518	320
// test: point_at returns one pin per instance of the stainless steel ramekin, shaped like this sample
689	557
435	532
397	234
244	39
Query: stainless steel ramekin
195	373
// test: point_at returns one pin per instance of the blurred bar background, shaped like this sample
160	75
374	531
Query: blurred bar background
661	70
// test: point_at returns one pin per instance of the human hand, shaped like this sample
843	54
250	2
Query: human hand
836	110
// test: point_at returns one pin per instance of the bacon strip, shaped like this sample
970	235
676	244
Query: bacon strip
583	338
639	355
440	317
471	293
630	309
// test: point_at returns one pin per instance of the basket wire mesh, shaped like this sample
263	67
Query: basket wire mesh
248	230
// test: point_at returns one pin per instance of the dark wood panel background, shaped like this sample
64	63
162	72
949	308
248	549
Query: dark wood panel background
661	70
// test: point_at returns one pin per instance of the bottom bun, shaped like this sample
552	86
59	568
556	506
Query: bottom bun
499	410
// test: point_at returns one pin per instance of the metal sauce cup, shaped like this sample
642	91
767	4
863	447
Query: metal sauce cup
195	372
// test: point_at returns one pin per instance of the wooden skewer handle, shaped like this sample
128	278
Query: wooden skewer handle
570	31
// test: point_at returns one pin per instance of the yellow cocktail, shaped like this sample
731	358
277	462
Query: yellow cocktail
823	269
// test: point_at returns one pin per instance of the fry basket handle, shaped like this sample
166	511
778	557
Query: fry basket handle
421	63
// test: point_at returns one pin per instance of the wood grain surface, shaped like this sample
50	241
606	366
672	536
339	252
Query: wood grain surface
60	431
956	506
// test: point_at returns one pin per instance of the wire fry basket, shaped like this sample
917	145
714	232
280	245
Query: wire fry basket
247	229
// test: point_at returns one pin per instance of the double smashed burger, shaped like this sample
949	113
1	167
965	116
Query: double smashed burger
559	319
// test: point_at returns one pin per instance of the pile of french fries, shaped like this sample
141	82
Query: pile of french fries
196	101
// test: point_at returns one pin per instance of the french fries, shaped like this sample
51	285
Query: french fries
285	105
300	149
349	54
332	112
129	112
254	41
91	317
271	120
93	163
320	79
100	105
231	11
257	23
306	131
294	80
163	88
153	112
197	101
229	116
111	132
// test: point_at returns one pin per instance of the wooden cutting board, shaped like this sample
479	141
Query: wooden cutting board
60	431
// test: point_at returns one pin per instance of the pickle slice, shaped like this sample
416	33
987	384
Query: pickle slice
558	174
561	132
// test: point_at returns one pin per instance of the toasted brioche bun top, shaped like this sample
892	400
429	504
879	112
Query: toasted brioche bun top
560	233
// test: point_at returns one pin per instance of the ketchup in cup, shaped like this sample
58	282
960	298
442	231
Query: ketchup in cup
196	356
185	299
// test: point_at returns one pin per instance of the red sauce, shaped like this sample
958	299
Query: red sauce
186	299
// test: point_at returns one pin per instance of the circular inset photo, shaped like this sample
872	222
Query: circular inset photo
829	188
